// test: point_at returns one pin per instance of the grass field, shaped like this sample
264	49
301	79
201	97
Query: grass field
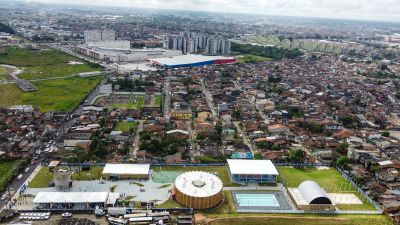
44	63
222	172
329	179
125	126
252	59
130	105
157	100
3	73
59	95
42	179
6	170
288	219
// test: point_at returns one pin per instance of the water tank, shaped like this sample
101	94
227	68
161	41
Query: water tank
62	178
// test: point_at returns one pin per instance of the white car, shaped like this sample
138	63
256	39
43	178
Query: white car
66	215
27	169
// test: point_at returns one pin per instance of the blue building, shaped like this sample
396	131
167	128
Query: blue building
259	171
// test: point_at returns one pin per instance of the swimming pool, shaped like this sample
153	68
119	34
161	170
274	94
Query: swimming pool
249	200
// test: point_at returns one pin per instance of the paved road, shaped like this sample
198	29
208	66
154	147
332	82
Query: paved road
167	91
137	138
245	138
209	100
17	184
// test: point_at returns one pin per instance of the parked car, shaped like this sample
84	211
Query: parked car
66	215
27	169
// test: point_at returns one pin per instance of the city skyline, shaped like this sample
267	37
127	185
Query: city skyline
385	10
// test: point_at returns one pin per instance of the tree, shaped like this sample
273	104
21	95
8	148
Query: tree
342	148
385	133
342	161
258	156
346	120
296	155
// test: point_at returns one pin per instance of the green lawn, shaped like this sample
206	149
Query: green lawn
56	70
59	95
45	63
252	58
131	105
125	126
6	172
43	177
288	219
3	73
157	100
329	179
222	172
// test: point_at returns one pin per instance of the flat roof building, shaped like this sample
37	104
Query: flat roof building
190	61
126	171
261	171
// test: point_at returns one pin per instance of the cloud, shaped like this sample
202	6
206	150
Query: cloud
351	9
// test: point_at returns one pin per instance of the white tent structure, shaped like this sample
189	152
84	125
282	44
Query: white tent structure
71	197
126	171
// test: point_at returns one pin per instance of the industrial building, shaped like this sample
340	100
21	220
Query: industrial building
99	35
190	61
260	171
309	196
198	190
126	171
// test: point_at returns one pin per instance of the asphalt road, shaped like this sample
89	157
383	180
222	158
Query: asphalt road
17	184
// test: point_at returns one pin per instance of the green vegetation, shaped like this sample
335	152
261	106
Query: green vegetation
157	100
8	170
267	52
125	126
289	219
6	28
45	63
44	176
59	95
220	171
163	186
112	188
329	179
138	105
252	58
136	183
385	133
165	146
170	204
3	73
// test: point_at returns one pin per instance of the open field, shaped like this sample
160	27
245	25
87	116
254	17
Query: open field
252	58
221	171
125	126
59	95
329	179
3	73
130	104
43	177
44	63
157	100
6	171
289	219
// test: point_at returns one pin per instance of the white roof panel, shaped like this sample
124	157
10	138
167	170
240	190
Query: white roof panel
198	184
187	59
126	169
70	197
252	167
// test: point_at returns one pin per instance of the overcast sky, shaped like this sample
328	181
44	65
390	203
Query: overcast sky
351	9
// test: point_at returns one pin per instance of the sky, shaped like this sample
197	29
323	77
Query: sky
387	10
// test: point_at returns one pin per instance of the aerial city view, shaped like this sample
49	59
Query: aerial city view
199	112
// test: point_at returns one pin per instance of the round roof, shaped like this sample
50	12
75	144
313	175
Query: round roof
313	193
198	184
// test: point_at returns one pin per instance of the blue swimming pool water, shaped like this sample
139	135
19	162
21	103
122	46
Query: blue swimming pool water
249	200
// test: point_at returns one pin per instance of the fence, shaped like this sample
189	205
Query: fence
293	211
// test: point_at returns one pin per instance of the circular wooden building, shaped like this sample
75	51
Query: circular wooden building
198	190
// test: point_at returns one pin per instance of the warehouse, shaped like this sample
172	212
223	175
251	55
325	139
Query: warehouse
190	61
310	196
126	171
260	171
